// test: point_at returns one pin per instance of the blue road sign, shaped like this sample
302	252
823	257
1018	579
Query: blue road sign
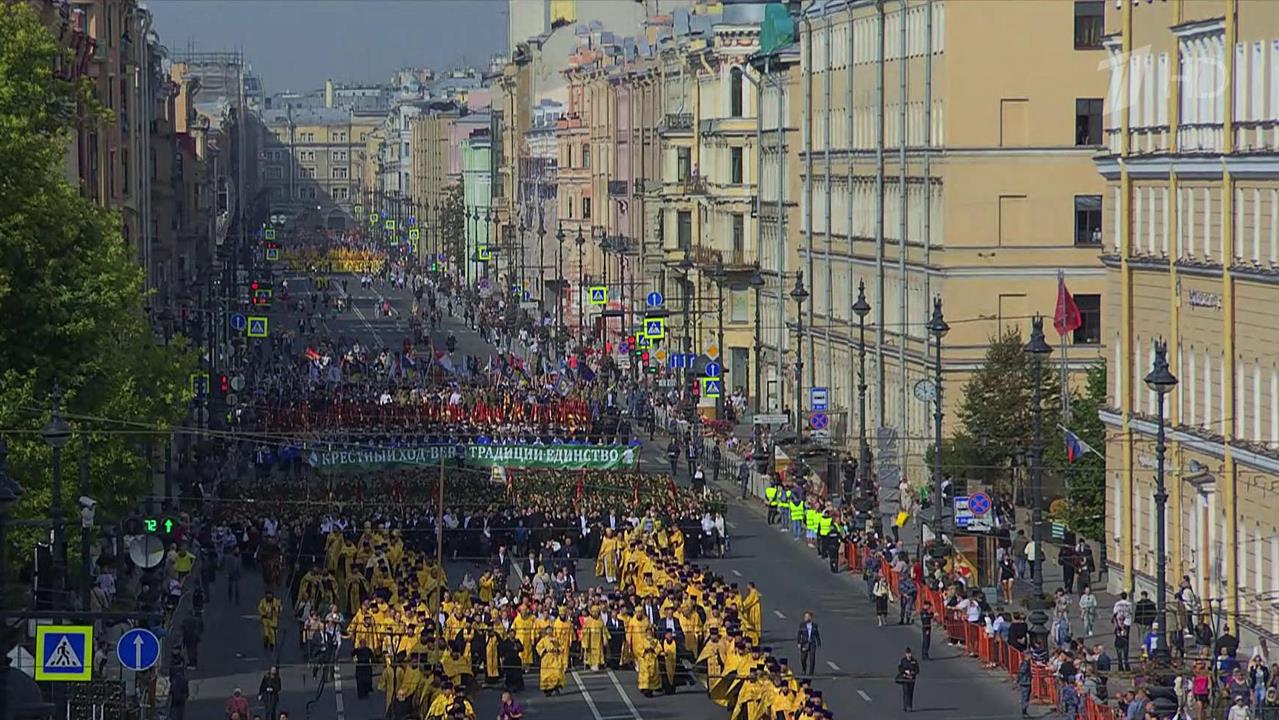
655	299
681	360
138	649
257	327
979	503
712	387
239	322
623	348
655	328
64	653
819	420
714	369
599	295
819	399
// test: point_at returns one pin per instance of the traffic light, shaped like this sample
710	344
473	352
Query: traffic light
644	357
224	384
159	525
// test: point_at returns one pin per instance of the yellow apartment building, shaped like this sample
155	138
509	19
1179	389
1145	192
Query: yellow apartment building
939	158
315	163
1191	237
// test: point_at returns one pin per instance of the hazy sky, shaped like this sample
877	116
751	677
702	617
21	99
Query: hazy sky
297	44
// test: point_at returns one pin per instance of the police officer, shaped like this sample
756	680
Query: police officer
812	517
824	525
772	500
796	506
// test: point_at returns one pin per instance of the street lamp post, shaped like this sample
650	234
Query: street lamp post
718	275
559	290
10	493
757	390
862	308
799	294
1038	350
581	280
541	263
684	267
937	327
56	433
1162	381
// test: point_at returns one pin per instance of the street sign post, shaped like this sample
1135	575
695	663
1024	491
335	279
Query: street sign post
655	328
714	369
599	295
64	653
138	649
818	399
712	387
819	421
239	322
979	503
257	327
770	419
655	299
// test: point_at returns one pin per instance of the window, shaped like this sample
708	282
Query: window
735	166
1088	121
341	193
339	156
586	208
1087	220
339	137
339	173
1089	330
308	172
274	172
735	92
586	155
684	229
683	163
739	239
1089	24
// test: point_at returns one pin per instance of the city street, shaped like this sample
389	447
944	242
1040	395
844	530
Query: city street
855	667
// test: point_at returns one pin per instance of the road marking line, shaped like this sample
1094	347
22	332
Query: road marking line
625	698
377	337
731	524
833	666
863	694
779	614
586	695
337	691
738	573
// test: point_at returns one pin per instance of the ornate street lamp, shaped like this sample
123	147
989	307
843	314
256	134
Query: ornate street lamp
799	294
1038	350
1162	381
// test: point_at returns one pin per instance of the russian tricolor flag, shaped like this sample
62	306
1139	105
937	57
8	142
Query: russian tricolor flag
1076	448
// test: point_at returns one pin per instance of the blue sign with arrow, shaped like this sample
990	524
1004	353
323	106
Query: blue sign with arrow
138	649
239	322
655	299
713	369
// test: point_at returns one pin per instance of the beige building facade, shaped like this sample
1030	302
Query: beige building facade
315	163
1191	238
933	165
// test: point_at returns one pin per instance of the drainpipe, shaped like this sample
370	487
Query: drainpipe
808	201
928	148
781	242
879	216
852	397
903	224
830	291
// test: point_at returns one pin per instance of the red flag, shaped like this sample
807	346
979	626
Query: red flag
1066	318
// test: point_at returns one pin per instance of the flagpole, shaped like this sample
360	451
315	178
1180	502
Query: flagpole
1065	360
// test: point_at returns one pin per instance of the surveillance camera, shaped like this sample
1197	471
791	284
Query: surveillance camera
88	502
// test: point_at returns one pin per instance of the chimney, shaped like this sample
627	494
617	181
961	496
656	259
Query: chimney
328	93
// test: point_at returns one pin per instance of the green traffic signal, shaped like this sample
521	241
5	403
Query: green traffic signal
159	526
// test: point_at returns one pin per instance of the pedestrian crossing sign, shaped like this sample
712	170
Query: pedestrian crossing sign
272	254
415	234
599	295
483	254
643	341
257	327
655	328
269	233
64	653
389	225
359	210
712	387
372	219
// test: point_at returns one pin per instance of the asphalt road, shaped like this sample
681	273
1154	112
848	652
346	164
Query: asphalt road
855	665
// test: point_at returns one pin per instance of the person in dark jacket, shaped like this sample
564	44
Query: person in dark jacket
269	691
907	673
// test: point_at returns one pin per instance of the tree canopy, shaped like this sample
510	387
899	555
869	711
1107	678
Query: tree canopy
71	295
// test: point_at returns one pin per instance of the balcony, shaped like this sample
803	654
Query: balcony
617	188
692	185
735	260
677	123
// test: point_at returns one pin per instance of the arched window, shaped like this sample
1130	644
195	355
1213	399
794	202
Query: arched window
735	92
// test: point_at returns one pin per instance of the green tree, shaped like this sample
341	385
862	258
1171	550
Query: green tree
453	217
71	295
1085	508
997	411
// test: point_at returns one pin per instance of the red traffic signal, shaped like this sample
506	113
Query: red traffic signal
254	286
644	357
630	340
224	382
